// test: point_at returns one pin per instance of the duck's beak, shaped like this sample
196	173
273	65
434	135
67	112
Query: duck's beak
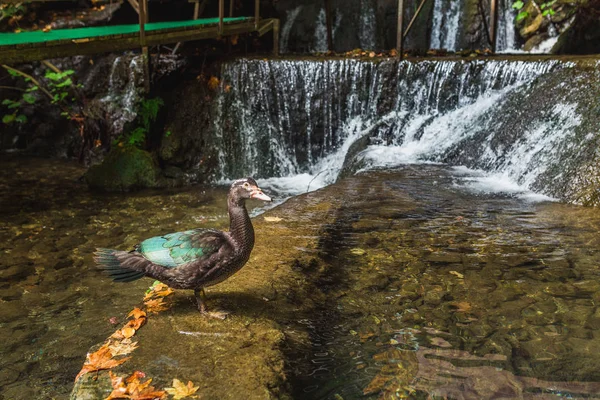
259	195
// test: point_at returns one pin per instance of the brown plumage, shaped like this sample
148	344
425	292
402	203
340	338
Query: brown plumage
192	259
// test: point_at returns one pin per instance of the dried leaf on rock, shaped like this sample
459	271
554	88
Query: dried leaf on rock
99	360
137	313
127	332
136	323
156	305
273	219
123	347
181	391
132	388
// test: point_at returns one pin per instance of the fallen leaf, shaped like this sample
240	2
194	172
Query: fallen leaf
47	28
273	219
213	83
156	305
227	89
99	360
180	391
127	332
132	388
122	347
136	323
137	313
458	274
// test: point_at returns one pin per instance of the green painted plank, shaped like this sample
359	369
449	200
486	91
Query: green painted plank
11	39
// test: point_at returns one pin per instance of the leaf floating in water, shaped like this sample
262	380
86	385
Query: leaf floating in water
357	251
458	274
273	219
181	391
133	388
99	360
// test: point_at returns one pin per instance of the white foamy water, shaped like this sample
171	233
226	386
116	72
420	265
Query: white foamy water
296	132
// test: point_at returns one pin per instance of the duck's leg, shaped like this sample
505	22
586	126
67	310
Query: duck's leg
201	300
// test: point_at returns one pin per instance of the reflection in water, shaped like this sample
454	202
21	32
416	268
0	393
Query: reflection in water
435	291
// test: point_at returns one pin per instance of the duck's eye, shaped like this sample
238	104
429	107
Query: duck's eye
246	185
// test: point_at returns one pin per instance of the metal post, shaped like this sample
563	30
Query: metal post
493	23
221	15
399	33
256	13
329	25
230	8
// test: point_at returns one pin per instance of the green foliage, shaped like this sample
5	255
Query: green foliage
148	111
517	5
522	15
11	10
59	86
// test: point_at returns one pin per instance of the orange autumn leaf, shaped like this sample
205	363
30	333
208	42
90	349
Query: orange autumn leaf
127	332
156	305
136	323
133	388
180	390
137	313
122	347
99	360
213	83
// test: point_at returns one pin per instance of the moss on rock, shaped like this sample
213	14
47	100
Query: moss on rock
123	169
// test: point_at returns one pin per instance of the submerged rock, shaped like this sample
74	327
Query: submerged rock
124	168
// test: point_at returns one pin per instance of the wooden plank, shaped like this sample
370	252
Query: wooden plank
275	37
256	14
414	18
135	5
265	28
14	55
399	33
221	15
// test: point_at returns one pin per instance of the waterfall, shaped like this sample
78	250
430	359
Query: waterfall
124	91
367	31
300	120
446	17
287	28
505	39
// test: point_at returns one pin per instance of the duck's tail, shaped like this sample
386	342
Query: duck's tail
119	265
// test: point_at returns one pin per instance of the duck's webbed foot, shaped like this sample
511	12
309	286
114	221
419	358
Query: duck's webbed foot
201	300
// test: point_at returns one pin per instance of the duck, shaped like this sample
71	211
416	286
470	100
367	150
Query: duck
192	259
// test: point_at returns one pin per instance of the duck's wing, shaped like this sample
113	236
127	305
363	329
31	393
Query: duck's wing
179	248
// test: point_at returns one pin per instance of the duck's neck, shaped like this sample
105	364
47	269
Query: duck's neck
240	226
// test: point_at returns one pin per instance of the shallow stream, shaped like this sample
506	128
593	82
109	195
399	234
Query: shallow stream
433	289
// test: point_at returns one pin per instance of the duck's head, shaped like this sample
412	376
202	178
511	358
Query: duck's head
247	188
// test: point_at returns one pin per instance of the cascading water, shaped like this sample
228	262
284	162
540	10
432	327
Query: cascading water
446	17
505	40
297	120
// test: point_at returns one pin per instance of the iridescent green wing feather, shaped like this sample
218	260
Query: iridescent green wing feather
179	248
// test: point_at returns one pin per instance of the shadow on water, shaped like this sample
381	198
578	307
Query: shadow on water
433	291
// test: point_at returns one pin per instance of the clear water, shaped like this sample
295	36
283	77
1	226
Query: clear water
435	290
54	304
434	287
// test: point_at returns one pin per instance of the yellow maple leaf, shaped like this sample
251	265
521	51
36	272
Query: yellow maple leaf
123	347
181	391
